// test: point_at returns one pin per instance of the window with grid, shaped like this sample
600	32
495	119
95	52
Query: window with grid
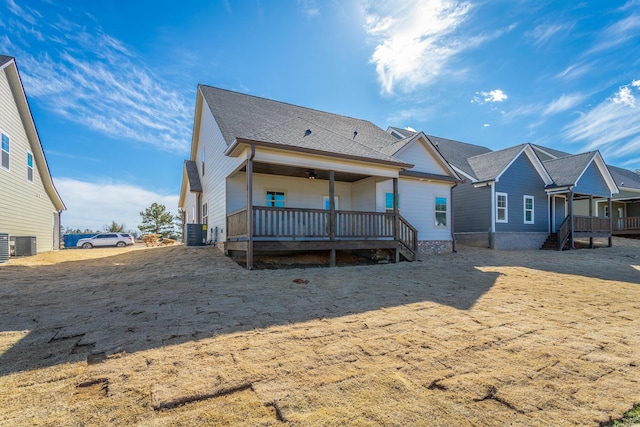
502	213
29	167
275	199
528	210
441	212
6	145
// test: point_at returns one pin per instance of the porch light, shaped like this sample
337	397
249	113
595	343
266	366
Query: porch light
311	174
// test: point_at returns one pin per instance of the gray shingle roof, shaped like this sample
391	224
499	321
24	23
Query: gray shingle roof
488	166
4	59
457	153
625	178
567	170
195	186
553	152
404	132
242	116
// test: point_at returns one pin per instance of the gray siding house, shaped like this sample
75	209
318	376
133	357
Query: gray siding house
29	202
522	196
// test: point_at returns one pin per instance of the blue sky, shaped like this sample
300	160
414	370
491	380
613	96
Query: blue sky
112	84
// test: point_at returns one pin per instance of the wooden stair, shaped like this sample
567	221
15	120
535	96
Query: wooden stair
551	244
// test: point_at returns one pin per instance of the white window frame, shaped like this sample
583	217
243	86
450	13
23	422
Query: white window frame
202	161
506	208
2	151
266	200
436	211
29	153
325	202
387	208
532	210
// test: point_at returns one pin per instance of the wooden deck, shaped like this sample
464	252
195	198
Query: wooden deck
298	229
627	225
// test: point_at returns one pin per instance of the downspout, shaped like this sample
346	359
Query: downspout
59	229
492	229
453	237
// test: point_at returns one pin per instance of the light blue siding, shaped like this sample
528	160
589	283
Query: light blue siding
521	179
560	214
592	182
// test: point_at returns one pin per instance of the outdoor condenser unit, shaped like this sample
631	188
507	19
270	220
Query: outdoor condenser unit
24	245
4	247
196	235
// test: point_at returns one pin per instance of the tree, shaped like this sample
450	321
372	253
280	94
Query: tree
114	227
156	220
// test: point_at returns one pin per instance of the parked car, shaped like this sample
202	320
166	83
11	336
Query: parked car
106	239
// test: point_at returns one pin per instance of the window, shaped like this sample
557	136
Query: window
528	210
325	202
205	216
388	202
5	150
502	214
441	212
29	167
202	160
275	199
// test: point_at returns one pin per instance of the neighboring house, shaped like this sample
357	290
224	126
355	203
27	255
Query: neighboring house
29	202
268	176
625	206
513	200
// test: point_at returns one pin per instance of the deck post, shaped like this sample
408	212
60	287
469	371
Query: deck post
250	208
571	225
332	217
396	222
591	221
610	222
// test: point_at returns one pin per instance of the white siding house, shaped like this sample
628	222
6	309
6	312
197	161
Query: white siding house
29	202
279	177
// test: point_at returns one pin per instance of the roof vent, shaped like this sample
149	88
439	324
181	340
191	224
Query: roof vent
355	133
307	132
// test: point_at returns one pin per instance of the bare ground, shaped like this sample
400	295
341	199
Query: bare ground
175	336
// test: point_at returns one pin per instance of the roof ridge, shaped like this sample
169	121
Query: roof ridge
287	103
501	150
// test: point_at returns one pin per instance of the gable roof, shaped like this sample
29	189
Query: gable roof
567	170
457	153
5	60
249	118
625	178
9	66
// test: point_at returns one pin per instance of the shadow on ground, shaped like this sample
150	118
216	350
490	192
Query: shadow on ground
151	298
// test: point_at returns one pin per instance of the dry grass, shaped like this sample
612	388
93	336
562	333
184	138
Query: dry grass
171	336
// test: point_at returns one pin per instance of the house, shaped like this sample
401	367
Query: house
512	199
625	205
267	176
29	202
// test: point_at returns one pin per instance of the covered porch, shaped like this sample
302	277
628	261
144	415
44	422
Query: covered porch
573	217
288	208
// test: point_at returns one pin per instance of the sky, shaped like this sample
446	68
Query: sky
112	84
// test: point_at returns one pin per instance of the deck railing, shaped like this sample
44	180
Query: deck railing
298	223
564	231
590	224
627	223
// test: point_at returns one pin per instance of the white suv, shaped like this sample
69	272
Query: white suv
106	239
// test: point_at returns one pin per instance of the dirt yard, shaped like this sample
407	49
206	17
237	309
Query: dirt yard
175	336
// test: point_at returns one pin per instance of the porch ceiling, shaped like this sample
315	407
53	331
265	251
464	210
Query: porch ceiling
298	172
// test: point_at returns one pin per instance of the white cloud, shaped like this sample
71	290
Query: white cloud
415	40
545	32
415	114
574	71
93	205
617	33
625	97
93	79
409	128
564	103
486	125
613	126
496	95
309	7
635	83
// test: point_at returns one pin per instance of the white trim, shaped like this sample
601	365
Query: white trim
435	211
535	161
506	208
33	169
8	167
533	209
